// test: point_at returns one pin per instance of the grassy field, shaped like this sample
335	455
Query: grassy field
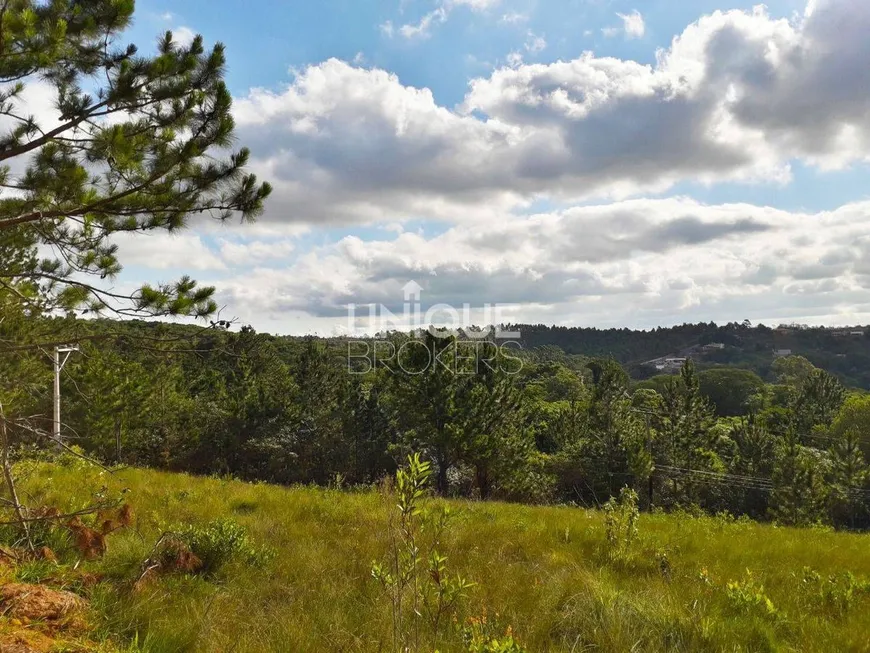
542	571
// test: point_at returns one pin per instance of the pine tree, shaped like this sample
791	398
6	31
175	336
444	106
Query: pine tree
139	153
799	491
687	440
615	445
816	402
849	477
753	459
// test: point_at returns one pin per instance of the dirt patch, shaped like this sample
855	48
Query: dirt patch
28	603
38	619
26	641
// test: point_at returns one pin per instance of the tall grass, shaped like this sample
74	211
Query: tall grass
545	572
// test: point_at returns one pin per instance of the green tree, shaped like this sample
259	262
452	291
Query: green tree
792	370
454	400
799	494
686	441
855	415
369	433
609	451
816	402
730	390
138	151
128	144
753	459
850	474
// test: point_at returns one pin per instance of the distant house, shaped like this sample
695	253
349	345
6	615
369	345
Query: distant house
781	353
714	345
666	364
671	364
856	333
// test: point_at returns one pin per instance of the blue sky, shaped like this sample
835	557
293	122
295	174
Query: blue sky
268	38
594	162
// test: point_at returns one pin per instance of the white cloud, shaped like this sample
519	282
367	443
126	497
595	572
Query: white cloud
242	253
633	24
535	43
423	28
514	18
737	96
183	35
634	262
514	59
164	251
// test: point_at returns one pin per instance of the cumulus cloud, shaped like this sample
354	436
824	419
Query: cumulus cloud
637	261
164	251
244	253
737	96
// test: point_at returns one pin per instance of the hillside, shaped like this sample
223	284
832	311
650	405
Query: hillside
844	352
543	572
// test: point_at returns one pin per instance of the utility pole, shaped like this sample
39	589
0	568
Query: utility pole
58	366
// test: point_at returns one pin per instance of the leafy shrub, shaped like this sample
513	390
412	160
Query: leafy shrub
747	596
837	591
478	640
414	574
221	541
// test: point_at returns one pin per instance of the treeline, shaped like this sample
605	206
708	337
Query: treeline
493	424
845	353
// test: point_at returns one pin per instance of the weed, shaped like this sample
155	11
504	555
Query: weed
35	571
219	541
664	563
620	522
478	637
838	592
747	596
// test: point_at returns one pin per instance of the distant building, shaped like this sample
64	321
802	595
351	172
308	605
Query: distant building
667	364
856	333
781	353
714	345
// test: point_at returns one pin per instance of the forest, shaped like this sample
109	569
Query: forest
544	427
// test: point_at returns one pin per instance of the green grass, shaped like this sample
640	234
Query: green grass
540	570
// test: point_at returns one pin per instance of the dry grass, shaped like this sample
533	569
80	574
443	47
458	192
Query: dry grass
541	571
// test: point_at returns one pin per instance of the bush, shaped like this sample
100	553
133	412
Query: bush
838	592
221	541
747	596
